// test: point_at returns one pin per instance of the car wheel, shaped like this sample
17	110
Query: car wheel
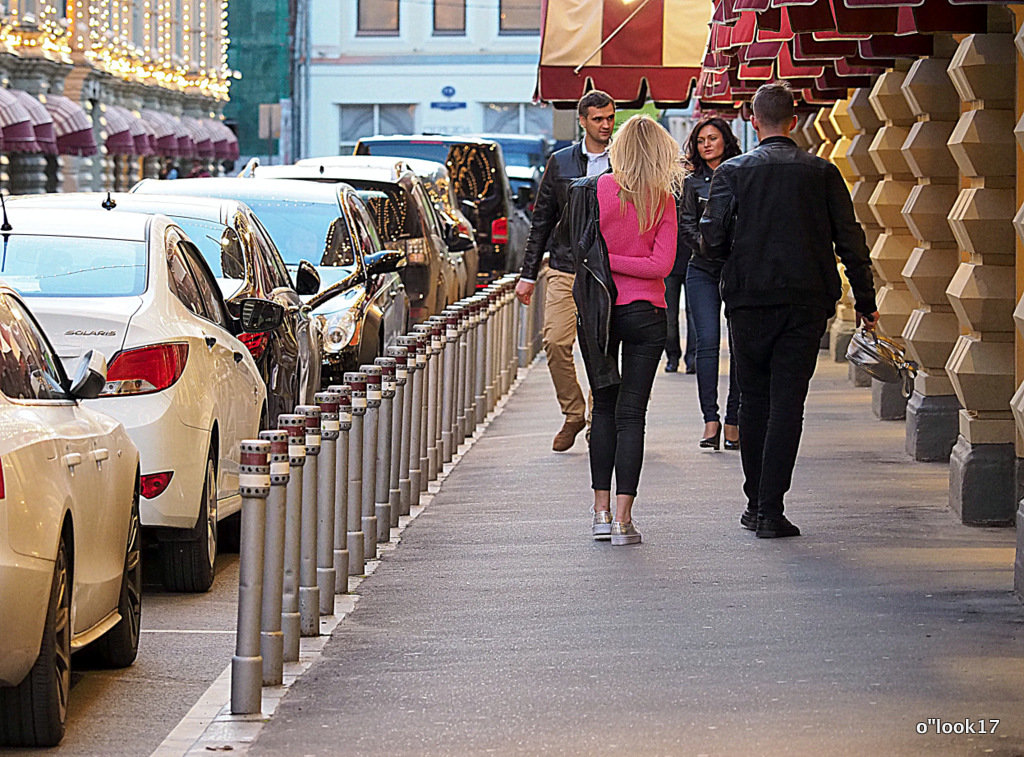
188	562
33	712
118	647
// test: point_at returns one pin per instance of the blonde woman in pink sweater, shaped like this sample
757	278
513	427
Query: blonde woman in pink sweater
638	224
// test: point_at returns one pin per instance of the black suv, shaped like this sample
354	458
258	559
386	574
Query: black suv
477	169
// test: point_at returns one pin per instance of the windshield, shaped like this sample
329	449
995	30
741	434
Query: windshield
45	266
435	151
391	212
301	230
472	172
521	155
219	245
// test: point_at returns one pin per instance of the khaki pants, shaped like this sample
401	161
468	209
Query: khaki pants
559	337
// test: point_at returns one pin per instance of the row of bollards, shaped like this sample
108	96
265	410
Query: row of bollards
324	489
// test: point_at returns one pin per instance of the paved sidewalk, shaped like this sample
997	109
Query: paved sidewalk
499	627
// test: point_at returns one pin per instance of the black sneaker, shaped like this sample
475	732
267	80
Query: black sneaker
775	528
749	519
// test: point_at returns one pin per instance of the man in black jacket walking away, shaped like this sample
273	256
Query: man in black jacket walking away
778	216
588	157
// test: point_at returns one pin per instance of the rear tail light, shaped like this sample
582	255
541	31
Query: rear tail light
145	369
153	484
255	343
499	230
415	251
3	492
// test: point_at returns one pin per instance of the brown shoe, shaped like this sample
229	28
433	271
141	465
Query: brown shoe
565	438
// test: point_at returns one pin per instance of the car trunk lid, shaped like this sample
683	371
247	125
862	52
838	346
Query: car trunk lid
78	324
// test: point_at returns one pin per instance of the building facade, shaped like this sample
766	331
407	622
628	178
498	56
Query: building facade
98	94
408	66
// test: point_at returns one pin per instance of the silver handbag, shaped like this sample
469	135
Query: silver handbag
882	359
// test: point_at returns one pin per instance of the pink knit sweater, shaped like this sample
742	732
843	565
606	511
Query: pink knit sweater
639	262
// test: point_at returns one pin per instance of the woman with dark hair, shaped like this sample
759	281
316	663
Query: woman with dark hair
710	143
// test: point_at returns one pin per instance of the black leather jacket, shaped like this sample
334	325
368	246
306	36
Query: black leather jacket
593	289
695	198
546	233
778	216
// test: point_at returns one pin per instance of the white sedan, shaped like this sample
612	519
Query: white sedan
187	390
69	530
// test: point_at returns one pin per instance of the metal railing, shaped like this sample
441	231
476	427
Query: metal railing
321	492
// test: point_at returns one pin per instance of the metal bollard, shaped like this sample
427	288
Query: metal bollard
469	390
410	429
271	638
371	430
330	429
344	393
459	422
506	338
309	591
381	503
419	453
398	433
295	426
480	390
429	460
356	559
451	359
247	664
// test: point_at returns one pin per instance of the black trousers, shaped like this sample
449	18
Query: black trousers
620	412
673	289
776	350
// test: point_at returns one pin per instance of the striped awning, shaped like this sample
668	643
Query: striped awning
72	126
200	135
225	145
647	49
16	124
137	129
821	47
118	130
42	121
165	130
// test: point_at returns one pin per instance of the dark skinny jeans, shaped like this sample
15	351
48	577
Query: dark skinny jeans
776	353
704	302
620	411
673	351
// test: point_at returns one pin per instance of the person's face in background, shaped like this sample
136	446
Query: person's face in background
598	125
711	145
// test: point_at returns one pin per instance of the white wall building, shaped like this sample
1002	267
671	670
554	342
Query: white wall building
407	66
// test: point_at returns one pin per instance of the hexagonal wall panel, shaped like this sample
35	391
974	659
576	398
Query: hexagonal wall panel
926	212
930	92
859	157
888	100
982	374
928	271
982	143
890	254
979	221
984	68
862	114
926	152
894	307
886	151
887	202
930	337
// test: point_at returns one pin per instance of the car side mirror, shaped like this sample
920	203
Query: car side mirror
384	261
259	316
456	240
90	376
307	280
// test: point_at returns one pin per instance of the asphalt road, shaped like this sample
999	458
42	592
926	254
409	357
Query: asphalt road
187	640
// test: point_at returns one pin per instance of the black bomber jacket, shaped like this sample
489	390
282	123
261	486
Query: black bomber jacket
778	216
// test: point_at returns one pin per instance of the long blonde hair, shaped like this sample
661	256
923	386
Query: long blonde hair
645	160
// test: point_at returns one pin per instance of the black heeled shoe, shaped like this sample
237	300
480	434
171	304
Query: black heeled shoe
731	445
712	442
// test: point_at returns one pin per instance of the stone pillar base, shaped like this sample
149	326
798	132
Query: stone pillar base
932	426
982	483
825	338
887	401
841	336
857	375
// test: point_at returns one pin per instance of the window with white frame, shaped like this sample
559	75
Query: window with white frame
449	17
377	17
519	17
518	118
357	121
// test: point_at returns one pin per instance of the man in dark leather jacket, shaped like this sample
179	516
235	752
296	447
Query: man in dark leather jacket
549	233
778	216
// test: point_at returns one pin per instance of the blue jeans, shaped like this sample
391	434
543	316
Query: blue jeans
673	286
620	411
704	302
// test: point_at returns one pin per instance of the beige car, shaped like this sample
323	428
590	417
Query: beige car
70	574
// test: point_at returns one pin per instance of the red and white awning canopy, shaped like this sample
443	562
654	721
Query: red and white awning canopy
632	49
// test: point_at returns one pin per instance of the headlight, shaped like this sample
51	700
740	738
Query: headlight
339	330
